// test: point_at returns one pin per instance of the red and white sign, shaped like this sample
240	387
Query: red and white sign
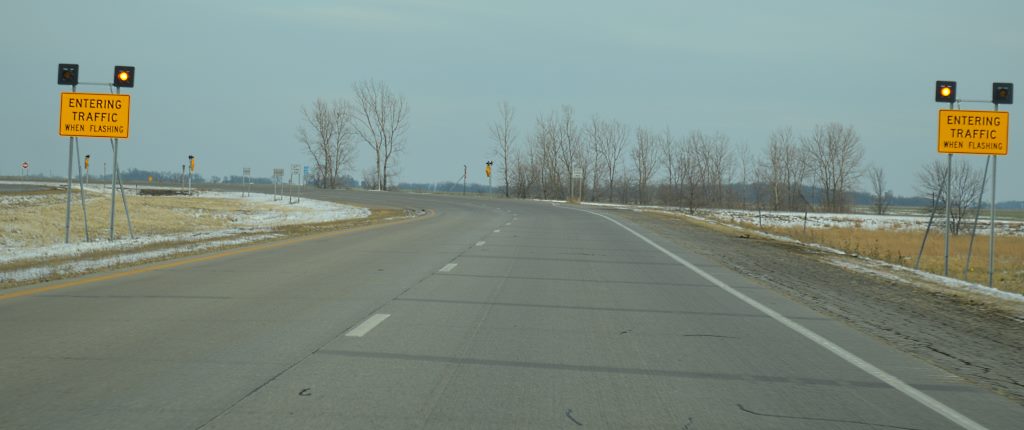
24	165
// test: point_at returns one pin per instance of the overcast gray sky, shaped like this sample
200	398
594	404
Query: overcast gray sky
225	79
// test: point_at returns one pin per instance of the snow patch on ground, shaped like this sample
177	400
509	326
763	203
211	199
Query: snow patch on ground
83	266
247	226
860	221
861	264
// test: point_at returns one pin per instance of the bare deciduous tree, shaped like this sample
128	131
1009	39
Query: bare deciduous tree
670	155
327	137
881	197
383	118
592	133
609	138
544	155
966	185
834	155
645	161
570	146
504	135
782	170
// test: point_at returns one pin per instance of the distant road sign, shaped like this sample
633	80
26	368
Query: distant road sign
577	173
974	132
295	169
246	171
94	115
24	165
278	173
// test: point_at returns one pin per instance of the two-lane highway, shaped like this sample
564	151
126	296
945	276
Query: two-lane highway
486	314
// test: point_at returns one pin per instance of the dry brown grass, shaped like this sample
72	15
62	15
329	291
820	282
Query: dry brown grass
40	222
902	248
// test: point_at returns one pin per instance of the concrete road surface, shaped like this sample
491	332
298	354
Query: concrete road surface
488	314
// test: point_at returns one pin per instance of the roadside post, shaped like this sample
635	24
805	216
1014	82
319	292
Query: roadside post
246	172
293	183
974	132
191	168
278	174
487	170
577	173
24	169
302	180
94	115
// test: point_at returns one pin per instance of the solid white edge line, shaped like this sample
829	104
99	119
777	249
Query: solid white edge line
366	326
448	267
480	243
919	396
497	231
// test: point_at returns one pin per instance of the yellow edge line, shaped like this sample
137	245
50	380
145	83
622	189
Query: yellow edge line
200	259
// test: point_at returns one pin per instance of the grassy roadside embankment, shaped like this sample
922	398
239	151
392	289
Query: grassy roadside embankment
902	247
33	222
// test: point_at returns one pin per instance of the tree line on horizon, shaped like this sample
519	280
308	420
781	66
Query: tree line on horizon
376	116
819	170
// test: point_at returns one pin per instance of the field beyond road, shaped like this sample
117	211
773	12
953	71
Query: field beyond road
897	240
32	234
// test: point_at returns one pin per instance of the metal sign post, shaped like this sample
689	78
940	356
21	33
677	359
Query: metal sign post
278	174
992	228
293	184
246	172
81	188
577	173
67	212
974	132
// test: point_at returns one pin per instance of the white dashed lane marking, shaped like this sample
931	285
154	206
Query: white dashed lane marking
448	267
371	322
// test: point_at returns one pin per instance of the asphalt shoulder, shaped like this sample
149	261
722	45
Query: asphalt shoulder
973	339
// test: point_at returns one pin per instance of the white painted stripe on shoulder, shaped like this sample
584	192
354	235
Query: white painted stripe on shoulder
508	223
480	243
894	382
371	322
448	267
497	231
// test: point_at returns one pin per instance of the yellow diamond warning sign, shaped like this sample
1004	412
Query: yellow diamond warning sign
974	132
94	115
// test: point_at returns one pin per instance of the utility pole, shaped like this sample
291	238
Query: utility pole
465	170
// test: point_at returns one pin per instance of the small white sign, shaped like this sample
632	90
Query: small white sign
577	173
246	171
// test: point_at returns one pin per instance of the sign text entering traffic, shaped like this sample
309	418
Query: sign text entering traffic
94	115
973	132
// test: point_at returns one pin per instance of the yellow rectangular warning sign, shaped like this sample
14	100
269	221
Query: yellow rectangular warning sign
94	115
974	132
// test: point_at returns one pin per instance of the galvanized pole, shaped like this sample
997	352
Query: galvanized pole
113	188
67	213
124	201
81	189
977	213
992	228
949	193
